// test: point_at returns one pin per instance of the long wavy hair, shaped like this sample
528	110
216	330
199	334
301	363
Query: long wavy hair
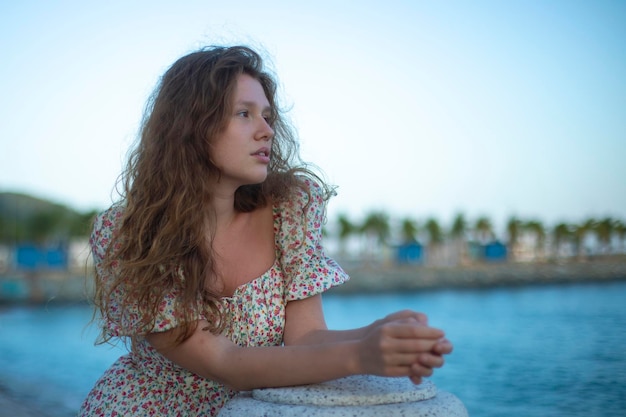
161	245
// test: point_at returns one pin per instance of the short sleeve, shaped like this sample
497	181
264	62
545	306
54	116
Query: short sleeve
123	320
307	269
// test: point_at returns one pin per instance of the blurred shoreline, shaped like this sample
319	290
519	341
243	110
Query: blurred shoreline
72	287
376	278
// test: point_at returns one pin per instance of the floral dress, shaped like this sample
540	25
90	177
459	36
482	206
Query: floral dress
144	382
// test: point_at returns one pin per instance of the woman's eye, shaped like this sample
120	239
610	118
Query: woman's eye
243	113
270	118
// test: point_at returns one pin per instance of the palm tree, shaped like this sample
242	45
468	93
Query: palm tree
457	233
376	230
435	239
604	231
536	228
483	230
459	227
409	230
560	234
620	231
346	229
513	228
376	224
434	231
579	233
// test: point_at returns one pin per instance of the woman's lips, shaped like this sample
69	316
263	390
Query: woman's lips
262	155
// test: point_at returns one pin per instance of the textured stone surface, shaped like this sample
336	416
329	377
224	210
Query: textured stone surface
354	390
443	404
353	396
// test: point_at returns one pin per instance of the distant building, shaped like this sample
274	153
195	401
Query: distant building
494	251
410	254
30	257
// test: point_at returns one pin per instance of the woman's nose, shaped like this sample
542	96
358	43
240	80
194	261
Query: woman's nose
265	131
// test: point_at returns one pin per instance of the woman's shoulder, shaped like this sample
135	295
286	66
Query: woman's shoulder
109	219
305	192
104	226
300	214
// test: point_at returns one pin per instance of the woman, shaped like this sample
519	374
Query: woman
211	264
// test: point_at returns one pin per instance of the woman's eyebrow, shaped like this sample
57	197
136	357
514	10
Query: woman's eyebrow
249	103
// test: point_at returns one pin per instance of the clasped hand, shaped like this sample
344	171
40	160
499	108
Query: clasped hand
402	344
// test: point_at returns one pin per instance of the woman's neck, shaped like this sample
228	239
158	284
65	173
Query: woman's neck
224	209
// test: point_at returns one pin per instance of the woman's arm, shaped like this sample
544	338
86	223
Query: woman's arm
386	351
305	324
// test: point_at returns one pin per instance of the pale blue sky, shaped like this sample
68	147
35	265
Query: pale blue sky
420	108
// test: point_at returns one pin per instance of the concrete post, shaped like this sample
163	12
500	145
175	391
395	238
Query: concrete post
361	395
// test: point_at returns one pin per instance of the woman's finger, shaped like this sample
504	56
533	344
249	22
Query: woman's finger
430	360
421	371
443	347
408	329
407	314
415	379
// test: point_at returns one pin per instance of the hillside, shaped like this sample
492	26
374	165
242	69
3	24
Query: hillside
27	218
22	206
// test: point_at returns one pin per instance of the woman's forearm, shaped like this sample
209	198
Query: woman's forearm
245	368
320	336
242	368
388	350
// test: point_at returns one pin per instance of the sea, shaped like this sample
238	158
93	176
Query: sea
545	350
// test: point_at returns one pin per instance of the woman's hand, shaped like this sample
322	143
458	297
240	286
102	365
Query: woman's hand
426	361
401	315
427	354
391	346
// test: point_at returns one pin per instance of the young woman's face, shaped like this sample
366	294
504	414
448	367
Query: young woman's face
242	151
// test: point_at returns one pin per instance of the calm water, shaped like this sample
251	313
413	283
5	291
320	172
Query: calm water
535	351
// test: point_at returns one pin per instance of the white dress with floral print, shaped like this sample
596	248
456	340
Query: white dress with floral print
144	382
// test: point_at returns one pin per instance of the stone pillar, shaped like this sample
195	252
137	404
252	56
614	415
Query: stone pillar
360	395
